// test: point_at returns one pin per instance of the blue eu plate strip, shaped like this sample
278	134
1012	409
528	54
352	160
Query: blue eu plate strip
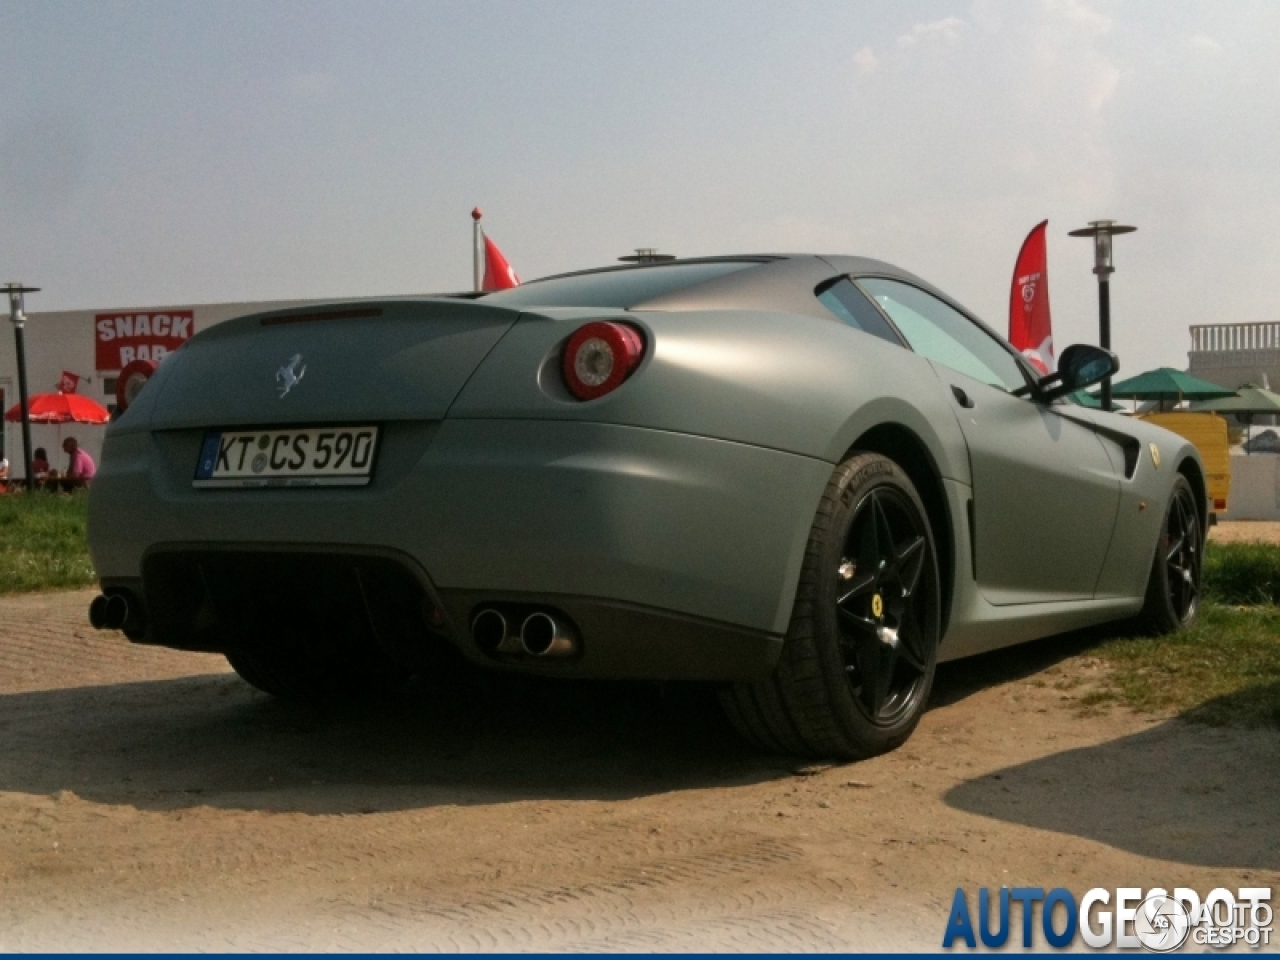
208	456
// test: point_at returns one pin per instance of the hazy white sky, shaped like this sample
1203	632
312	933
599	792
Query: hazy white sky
207	151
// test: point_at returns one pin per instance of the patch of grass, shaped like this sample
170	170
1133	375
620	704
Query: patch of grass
42	542
1225	671
1242	572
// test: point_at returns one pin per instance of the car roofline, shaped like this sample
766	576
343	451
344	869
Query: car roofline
760	258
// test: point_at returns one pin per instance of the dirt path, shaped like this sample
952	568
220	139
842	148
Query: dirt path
150	799
1236	531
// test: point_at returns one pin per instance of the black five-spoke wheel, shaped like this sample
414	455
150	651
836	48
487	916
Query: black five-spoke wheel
1173	587
885	653
859	656
1181	545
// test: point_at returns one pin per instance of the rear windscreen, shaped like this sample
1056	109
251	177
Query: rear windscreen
621	289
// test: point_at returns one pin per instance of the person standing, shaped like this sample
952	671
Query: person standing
80	467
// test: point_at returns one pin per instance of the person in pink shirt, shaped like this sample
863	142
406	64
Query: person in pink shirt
80	468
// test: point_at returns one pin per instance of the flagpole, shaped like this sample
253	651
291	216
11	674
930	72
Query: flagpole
475	249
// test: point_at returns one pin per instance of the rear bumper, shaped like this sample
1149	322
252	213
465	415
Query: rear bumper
679	554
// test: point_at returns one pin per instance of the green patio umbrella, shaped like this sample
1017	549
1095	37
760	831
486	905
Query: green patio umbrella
1167	384
1251	401
1084	398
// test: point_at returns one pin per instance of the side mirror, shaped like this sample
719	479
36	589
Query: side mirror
1081	365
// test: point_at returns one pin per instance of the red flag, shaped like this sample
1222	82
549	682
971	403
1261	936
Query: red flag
68	382
498	274
1030	329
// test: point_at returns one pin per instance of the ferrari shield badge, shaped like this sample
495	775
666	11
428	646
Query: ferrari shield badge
288	376
1155	455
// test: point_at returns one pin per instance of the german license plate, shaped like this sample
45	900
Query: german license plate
310	457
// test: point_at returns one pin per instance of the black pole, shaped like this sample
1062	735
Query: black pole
1104	332
1101	232
20	345
18	318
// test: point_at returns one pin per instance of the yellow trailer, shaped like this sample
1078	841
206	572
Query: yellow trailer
1208	432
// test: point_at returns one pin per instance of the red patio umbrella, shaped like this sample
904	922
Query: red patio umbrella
60	407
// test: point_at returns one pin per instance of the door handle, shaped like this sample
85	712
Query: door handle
962	398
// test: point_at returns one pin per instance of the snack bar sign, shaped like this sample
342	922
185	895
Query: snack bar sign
121	338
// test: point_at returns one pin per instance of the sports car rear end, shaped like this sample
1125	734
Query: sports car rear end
411	473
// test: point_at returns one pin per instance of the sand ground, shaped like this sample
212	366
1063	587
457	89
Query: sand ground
150	799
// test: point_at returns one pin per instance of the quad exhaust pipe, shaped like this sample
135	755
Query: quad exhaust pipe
541	634
109	611
492	632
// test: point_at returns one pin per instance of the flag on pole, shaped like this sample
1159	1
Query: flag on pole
1030	329
68	382
490	268
498	274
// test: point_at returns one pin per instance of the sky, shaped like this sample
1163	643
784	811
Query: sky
191	152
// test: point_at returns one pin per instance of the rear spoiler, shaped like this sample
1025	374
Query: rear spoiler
349	312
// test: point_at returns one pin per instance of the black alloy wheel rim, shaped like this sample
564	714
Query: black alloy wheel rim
885	606
1181	546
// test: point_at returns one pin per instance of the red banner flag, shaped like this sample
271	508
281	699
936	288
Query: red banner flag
68	382
1030	329
498	274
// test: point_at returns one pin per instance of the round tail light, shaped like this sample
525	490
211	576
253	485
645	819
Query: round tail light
599	357
131	381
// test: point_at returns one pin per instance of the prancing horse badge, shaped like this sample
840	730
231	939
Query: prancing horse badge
287	377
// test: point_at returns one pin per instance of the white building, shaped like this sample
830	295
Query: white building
1233	354
94	345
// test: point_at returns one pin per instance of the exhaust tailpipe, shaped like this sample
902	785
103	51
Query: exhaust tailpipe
542	635
109	612
492	633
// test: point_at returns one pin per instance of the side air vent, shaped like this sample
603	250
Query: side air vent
1131	451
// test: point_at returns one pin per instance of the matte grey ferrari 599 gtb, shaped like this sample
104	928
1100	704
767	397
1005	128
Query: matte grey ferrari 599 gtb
807	479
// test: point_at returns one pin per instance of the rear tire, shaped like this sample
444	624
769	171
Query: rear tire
1173	586
859	657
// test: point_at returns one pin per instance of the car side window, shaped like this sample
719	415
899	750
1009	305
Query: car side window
938	331
851	305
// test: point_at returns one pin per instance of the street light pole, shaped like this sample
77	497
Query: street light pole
1102	231
19	321
1104	332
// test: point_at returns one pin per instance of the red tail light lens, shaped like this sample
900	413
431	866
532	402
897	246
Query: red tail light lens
599	357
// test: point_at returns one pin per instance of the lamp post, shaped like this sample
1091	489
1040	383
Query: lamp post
19	320
1102	231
